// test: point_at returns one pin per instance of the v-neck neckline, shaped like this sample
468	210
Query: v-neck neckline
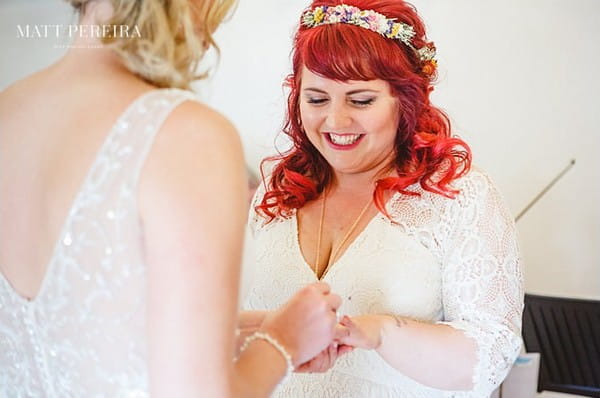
341	256
62	236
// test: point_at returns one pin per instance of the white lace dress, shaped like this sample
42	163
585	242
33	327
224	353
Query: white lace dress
446	261
84	333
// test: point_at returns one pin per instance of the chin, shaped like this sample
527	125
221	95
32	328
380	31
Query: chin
345	169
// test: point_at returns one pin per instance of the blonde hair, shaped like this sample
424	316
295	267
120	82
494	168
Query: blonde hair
173	36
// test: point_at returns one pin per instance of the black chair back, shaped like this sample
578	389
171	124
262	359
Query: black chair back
566	332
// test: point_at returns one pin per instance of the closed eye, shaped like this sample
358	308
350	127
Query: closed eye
362	102
316	101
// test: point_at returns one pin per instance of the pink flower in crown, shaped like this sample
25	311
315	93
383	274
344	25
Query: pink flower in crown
370	19
374	21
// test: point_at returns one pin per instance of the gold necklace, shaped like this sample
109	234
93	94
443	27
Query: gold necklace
334	253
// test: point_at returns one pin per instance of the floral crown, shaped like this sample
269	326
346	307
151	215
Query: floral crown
371	20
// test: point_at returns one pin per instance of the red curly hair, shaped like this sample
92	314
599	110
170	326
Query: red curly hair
425	151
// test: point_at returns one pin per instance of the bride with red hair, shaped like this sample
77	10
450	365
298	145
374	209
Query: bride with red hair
377	198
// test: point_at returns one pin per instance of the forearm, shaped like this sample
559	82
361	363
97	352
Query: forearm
258	370
435	355
251	319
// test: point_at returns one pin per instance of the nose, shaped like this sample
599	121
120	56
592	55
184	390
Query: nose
338	116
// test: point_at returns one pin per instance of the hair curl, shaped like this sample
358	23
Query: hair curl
174	36
425	151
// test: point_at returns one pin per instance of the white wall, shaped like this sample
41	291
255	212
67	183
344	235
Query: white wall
518	78
20	56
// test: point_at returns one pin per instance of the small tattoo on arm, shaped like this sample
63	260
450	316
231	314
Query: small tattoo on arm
400	322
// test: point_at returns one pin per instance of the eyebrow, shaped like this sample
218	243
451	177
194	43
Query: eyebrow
359	91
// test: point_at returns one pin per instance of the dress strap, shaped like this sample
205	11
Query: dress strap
142	123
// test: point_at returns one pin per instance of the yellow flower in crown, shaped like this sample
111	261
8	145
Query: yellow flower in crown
395	29
318	15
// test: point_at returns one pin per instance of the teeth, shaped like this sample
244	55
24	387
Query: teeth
347	139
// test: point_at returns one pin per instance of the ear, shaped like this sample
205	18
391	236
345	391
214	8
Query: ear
96	12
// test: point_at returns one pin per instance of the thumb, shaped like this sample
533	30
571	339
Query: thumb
340	332
347	322
352	335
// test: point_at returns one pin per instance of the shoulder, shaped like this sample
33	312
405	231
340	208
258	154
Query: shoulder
475	185
197	153
196	133
13	97
193	120
475	191
479	199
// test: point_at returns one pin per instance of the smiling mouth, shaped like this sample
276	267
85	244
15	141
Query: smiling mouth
343	140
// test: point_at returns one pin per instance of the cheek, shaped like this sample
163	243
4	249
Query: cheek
308	125
385	124
310	119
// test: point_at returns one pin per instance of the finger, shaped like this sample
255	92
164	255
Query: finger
309	366
348	323
328	360
302	368
344	349
326	363
318	363
332	355
341	331
322	287
334	301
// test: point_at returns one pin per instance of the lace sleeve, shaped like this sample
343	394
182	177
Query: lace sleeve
482	280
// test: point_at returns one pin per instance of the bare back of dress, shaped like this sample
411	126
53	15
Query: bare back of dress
84	333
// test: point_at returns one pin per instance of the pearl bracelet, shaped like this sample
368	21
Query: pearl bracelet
266	337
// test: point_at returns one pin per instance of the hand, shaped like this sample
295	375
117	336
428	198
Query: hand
305	325
364	331
326	358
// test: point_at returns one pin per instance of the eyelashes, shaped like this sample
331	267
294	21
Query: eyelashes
356	102
364	102
316	101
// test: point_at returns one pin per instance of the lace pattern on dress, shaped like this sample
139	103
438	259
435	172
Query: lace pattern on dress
452	261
